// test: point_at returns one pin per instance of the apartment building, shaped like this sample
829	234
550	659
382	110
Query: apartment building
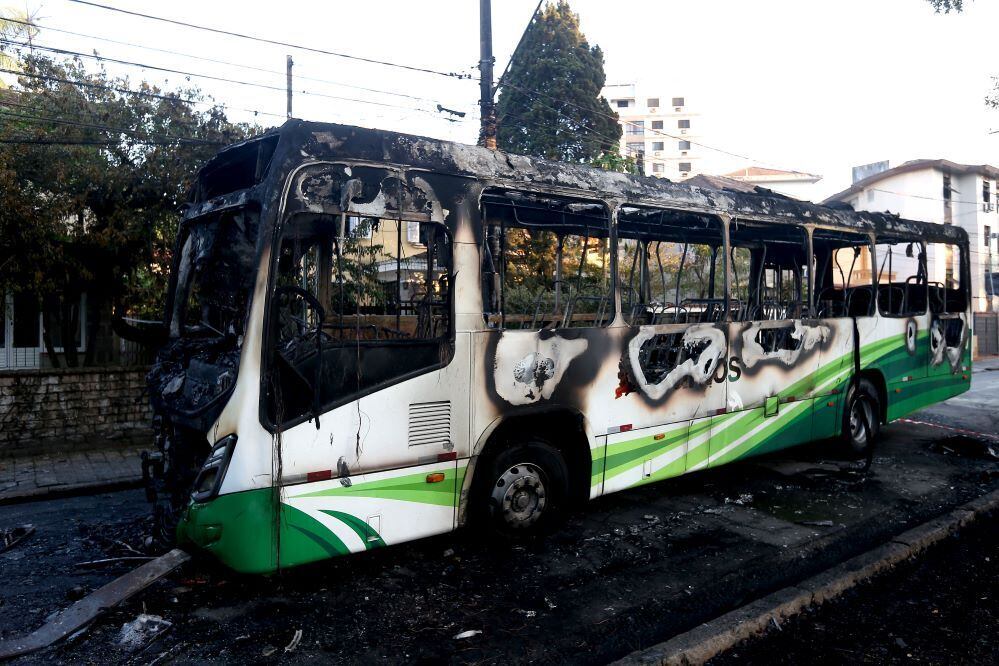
660	131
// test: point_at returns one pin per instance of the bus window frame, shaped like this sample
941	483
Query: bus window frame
722	286
872	285
267	351
496	321
888	239
807	304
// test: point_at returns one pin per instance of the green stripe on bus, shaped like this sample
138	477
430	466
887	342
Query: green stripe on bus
406	488
369	537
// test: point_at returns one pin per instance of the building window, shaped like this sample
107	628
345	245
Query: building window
986	191
657	124
653	102
621	103
946	187
635	127
684	145
677	101
988	236
635	148
684	166
658	145
683	124
870	195
657	168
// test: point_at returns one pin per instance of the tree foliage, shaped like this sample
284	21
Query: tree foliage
91	182
550	104
947	6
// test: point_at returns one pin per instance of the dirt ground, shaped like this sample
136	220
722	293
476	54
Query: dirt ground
942	608
628	571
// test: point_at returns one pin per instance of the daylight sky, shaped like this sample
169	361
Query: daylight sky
805	85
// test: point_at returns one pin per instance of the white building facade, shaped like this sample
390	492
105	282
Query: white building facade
797	184
660	131
943	192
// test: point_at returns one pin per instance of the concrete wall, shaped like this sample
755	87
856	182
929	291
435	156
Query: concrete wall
64	409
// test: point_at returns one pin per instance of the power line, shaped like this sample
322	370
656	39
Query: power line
253	84
275	42
220	62
127	91
107	128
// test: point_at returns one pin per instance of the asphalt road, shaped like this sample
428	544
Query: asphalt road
630	570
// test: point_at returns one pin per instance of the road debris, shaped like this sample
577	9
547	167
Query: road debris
295	640
12	536
143	630
741	500
467	634
113	560
816	523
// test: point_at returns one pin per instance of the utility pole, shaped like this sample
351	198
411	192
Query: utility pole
290	63
487	132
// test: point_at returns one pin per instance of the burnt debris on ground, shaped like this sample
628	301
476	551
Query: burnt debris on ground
625	572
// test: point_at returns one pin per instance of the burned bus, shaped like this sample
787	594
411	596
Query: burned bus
374	337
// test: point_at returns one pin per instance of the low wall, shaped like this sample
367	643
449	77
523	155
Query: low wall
73	408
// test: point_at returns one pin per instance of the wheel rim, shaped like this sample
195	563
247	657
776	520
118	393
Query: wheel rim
858	433
519	495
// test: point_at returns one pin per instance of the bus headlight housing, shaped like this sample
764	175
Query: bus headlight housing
209	480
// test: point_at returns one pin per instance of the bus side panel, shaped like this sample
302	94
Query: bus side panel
353	514
643	456
946	357
769	390
836	367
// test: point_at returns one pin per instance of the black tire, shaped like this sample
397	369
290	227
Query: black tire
861	399
522	489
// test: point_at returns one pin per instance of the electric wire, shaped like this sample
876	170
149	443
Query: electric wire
129	63
221	62
105	128
275	42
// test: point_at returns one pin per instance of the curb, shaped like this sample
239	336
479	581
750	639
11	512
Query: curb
70	490
710	639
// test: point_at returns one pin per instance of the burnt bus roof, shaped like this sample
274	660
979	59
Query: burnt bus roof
276	152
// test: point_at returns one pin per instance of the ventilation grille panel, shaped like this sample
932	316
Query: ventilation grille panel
430	423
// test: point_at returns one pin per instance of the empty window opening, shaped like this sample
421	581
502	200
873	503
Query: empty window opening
901	266
669	266
844	274
948	289
356	305
546	261
768	272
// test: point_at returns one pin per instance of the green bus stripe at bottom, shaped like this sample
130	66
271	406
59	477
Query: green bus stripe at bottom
360	528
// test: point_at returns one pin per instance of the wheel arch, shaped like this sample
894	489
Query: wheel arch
565	428
877	378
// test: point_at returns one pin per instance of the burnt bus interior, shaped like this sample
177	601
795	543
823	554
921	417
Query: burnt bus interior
340	326
670	266
546	261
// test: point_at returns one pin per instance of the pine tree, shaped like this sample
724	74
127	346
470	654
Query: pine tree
550	104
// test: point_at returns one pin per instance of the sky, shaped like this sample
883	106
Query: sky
803	85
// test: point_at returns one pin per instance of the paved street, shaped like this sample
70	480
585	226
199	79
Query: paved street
630	570
23	476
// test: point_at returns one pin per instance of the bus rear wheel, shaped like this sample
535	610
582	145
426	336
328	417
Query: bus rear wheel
525	488
862	419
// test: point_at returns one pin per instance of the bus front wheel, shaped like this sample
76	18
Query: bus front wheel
525	488
861	420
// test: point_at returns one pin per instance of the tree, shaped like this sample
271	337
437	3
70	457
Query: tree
550	104
91	181
947	6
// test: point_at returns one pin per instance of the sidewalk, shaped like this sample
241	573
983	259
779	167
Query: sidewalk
985	364
25	476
